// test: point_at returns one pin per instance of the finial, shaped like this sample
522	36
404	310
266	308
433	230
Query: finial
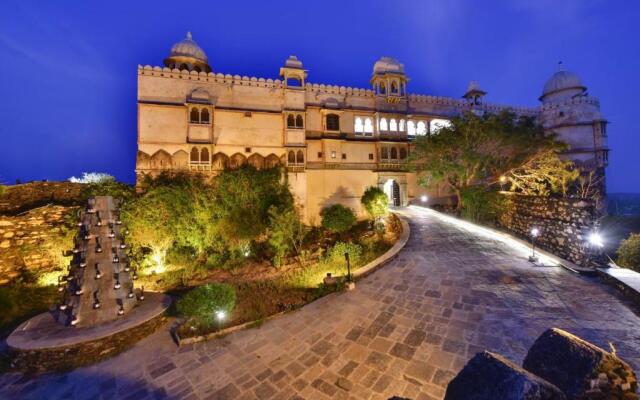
189	37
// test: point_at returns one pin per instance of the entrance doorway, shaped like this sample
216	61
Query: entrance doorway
392	190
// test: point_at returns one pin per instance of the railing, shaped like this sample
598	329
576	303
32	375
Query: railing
381	166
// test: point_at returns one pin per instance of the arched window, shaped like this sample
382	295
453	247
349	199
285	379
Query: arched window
291	121
383	88
358	125
300	157
393	125
394	87
291	158
299	121
194	157
421	128
403	153
383	124
333	122
204	155
204	116
402	125
197	69
384	153
184	66
194	116
411	128
368	125
394	153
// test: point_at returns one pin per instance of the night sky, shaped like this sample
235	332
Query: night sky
68	69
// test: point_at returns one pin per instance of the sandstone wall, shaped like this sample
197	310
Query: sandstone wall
564	224
19	198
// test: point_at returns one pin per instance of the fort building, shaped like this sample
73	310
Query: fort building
335	141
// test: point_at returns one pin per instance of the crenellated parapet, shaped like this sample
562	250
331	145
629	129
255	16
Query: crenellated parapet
341	90
211	77
579	100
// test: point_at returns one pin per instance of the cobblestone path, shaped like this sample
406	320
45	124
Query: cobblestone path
406	330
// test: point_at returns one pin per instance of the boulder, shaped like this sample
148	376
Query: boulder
488	376
580	369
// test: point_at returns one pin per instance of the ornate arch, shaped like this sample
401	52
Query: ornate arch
180	159
220	161
256	160
271	161
161	159
237	160
143	160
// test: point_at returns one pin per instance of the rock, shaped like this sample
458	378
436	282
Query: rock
488	376
6	223
5	244
8	235
579	368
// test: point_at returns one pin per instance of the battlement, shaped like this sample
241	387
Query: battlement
589	100
227	79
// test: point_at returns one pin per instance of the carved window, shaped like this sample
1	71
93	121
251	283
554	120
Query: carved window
394	87
384	153
368	126
204	116
204	155
333	122
300	157
411	128
394	153
383	88
403	153
291	158
393	125
299	122
291	121
401	126
421	128
383	124
194	116
195	155
358	125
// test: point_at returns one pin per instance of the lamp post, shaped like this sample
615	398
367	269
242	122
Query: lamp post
424	198
596	244
350	284
534	233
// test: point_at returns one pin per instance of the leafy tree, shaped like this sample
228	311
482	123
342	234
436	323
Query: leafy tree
629	252
481	204
543	174
207	303
287	233
337	218
104	185
375	201
477	150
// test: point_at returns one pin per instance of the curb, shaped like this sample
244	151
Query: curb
358	274
615	276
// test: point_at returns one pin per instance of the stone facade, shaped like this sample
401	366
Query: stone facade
33	242
335	141
564	224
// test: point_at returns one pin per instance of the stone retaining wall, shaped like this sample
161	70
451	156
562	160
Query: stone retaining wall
564	224
19	198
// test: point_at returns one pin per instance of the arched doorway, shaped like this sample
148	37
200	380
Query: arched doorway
392	190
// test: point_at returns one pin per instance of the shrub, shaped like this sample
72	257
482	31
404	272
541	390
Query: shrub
337	218
375	201
480	205
3	189
98	184
336	253
287	233
202	303
629	252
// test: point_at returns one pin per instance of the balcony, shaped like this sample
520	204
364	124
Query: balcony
385	165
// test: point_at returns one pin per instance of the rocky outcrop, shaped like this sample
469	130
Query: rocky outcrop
23	197
488	376
580	369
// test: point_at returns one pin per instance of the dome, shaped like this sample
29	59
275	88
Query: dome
187	47
562	81
388	65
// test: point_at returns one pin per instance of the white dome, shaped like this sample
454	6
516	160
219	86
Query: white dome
561	81
388	65
187	47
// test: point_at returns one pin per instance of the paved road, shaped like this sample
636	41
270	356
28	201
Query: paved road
406	330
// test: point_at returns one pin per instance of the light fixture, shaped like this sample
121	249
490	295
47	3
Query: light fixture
424	198
117	285
221	315
534	234
595	239
74	320
503	179
121	310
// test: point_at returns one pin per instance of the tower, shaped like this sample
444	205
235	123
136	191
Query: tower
389	80
474	93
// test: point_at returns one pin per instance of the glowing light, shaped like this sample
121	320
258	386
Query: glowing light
221	315
596	240
424	198
535	232
158	260
503	179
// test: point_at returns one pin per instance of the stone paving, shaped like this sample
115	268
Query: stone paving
406	330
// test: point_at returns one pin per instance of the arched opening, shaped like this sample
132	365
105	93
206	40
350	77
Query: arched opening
383	124
394	87
392	190
401	125
299	121
236	161
368	125
383	88
271	161
358	126
197	69
421	128
291	121
194	116
403	153
220	161
184	66
291	158
204	155
294	82
394	153
256	161
411	128
393	125
384	153
300	157
333	122
204	116
195	155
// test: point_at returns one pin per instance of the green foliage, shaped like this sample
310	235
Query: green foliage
107	186
477	150
3	189
336	253
629	252
337	218
287	233
375	201
480	204
543	175
19	302
201	304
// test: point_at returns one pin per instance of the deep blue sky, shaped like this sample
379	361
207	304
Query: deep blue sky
68	68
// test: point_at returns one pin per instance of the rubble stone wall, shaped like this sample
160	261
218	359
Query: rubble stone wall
564	224
23	197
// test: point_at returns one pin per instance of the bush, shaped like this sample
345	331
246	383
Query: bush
103	185
336	253
202	303
287	233
337	218
481	205
629	252
375	201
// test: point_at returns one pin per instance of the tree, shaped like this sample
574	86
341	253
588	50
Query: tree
207	303
543	174
375	201
629	252
287	233
337	218
477	150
